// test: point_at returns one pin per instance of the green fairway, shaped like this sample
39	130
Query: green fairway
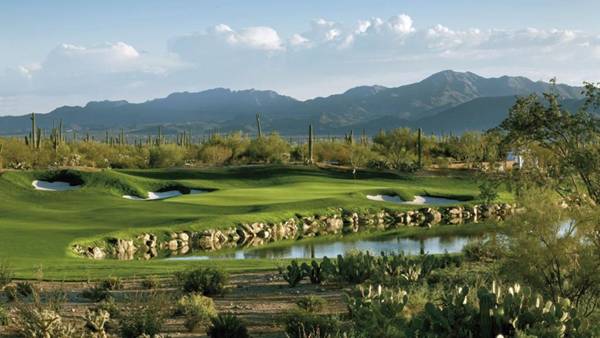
37	228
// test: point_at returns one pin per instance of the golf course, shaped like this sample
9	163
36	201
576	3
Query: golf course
38	228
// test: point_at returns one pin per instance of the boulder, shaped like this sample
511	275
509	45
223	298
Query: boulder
96	253
184	236
173	245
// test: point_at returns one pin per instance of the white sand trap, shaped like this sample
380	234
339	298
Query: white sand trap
152	196
53	186
418	200
386	198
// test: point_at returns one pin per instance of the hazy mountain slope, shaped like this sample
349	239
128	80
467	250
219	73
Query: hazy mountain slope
433	103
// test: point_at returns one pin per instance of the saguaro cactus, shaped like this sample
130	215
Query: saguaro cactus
419	148
33	142
258	126
311	137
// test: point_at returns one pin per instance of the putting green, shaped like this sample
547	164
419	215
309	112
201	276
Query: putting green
37	228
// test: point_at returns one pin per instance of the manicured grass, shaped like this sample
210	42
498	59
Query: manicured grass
37	228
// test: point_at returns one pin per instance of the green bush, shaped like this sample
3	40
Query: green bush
302	324
483	251
312	304
142	318
96	294
293	273
356	267
197	309
207	281
227	326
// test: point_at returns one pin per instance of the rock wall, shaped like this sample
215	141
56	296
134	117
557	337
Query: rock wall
147	246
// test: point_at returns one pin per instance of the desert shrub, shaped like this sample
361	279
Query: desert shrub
268	149
301	324
34	320
227	326
197	309
145	316
6	274
10	292
207	281
150	282
215	154
25	289
112	283
483	251
167	155
312	304
96	293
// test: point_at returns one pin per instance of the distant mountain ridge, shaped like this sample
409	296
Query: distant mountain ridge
446	101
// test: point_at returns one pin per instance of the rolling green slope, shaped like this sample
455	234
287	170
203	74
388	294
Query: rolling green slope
37	228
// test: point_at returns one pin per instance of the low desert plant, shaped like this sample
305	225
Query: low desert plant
6	274
207	281
144	317
227	326
312	304
35	320
301	324
95	322
25	289
96	294
150	282
10	292
293	273
111	283
197	309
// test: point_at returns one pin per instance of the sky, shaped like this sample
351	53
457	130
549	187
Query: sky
55	53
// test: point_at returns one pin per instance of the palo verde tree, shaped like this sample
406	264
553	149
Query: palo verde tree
562	147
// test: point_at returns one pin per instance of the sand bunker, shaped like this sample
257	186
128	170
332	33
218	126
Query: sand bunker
418	200
163	195
53	186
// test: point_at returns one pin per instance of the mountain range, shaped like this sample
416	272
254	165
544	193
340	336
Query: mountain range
445	102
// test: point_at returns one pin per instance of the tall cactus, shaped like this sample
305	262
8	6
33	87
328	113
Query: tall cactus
310	144
258	126
487	303
419	148
33	139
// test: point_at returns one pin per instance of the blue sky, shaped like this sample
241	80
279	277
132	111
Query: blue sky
69	52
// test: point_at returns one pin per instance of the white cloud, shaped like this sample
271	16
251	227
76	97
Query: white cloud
328	53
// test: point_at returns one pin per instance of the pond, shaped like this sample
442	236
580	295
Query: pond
338	246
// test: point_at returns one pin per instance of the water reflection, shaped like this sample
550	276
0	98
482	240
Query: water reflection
388	244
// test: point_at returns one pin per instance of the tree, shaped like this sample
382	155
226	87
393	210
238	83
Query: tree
555	250
569	140
360	154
